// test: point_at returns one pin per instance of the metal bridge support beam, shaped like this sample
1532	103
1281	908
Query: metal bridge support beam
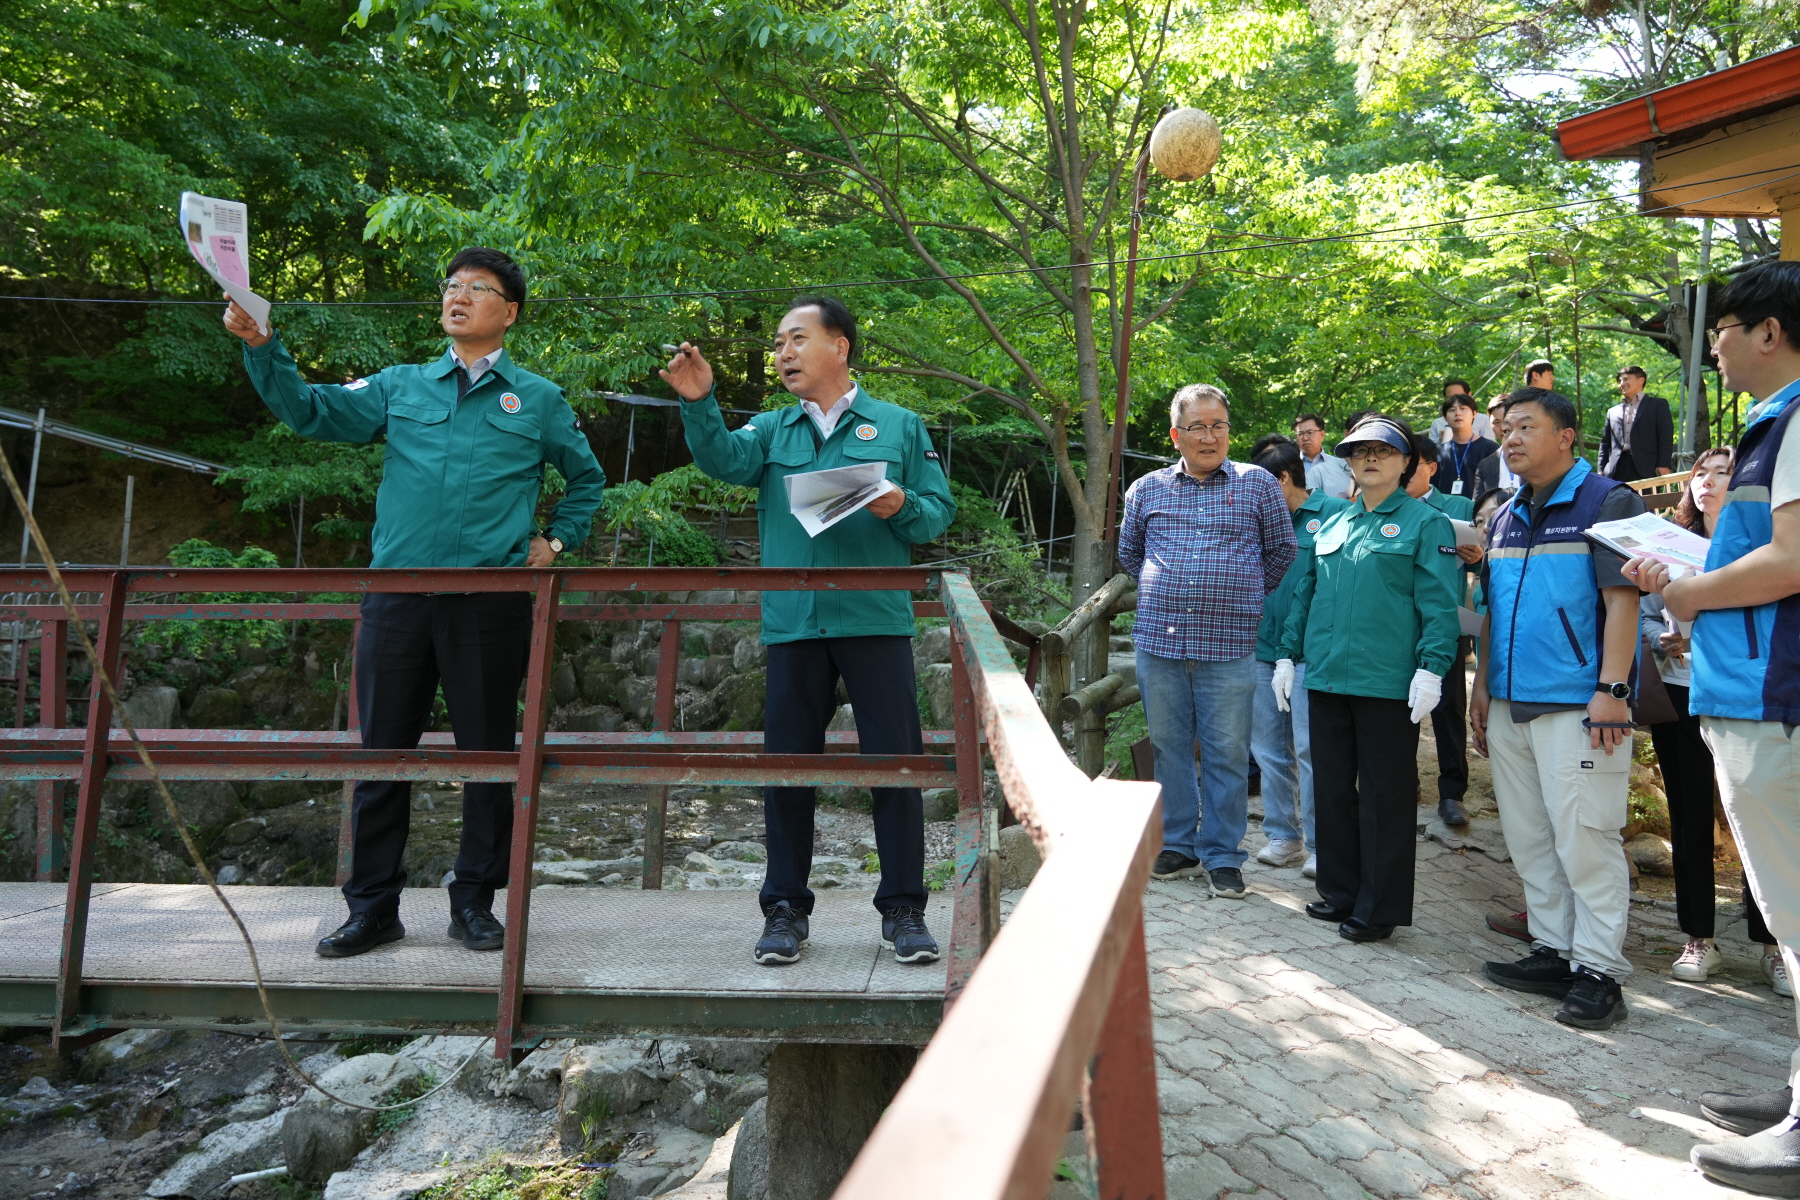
656	811
87	812
352	724
823	1102
509	1034
975	919
53	713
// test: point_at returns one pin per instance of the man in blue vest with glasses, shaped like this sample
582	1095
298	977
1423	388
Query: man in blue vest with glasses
1746	668
1551	708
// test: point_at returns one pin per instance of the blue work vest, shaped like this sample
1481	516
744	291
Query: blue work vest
1546	617
1747	660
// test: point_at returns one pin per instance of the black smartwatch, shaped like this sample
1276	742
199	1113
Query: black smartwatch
1618	691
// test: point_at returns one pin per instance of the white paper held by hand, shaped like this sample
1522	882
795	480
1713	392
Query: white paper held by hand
820	499
1465	534
217	233
1647	535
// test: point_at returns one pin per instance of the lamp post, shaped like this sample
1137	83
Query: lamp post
1184	145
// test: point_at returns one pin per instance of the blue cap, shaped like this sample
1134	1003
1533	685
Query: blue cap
1375	429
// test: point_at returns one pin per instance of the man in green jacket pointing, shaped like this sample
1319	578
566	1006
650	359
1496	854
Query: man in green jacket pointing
467	437
817	638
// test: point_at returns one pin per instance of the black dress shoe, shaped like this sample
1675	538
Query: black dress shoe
360	934
476	929
1361	931
1318	910
1452	812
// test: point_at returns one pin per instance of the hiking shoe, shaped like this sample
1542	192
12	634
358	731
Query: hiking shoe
903	931
1699	958
1173	864
1775	971
1595	1001
1311	869
1515	926
783	935
1543	971
1227	882
1747	1112
1281	854
1767	1163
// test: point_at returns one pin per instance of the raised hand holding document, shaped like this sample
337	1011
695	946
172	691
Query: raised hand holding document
1647	535
218	236
820	499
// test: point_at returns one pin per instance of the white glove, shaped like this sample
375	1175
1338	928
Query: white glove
1423	694
1283	682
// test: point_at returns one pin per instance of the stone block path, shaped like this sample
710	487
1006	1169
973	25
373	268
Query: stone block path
1298	1065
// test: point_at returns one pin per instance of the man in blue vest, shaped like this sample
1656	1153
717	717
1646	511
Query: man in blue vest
1746	666
817	638
1551	708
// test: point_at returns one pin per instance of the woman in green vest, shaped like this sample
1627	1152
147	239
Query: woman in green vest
1374	618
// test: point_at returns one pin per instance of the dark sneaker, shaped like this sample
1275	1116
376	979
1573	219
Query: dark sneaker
1767	1163
903	931
783	936
1747	1113
1227	882
1543	971
1594	1001
361	934
1173	864
476	929
1515	926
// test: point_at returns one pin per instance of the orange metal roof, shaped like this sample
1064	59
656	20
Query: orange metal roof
1692	108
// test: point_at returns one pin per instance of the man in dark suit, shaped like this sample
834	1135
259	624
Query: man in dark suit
1639	438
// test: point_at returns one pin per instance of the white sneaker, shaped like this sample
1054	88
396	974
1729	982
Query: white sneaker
1698	959
1311	869
1775	971
1281	853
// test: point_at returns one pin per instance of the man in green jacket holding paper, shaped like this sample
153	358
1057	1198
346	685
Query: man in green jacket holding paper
817	638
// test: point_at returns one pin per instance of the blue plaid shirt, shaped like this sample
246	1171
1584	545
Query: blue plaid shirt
1205	553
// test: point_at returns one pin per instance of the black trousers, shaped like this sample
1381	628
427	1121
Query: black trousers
802	698
1450	726
1365	804
1687	771
475	645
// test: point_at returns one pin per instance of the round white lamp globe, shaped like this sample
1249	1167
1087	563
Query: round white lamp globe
1185	144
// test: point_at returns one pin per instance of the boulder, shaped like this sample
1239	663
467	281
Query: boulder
751	852
637	696
589	718
940	692
131	1052
279	793
842	721
538	1079
18	831
750	1156
150	708
941	804
218	708
748	653
1653	855
233	1150
598	678
932	646
563	685
321	1136
267	690
704	673
604	1081
206	805
1019	858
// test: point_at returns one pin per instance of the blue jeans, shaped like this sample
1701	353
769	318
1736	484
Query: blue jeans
1212	701
1282	744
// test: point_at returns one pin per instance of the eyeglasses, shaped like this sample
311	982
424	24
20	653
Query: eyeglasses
1379	451
456	287
1217	429
1712	335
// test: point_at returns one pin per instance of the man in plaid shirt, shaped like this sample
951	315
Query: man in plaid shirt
1207	539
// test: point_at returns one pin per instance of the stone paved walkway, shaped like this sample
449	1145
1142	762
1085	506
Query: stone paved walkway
1299	1065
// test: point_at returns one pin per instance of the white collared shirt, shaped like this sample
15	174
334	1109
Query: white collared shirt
827	420
482	365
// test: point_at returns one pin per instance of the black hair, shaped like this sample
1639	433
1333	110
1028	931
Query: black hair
1315	418
1426	448
1462	383
1358	417
1558	407
1532	368
501	266
1452	401
834	315
1769	290
1269	439
1634	369
1280	458
1407	432
1501	494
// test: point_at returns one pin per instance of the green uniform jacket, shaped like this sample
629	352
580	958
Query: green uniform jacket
461	479
1457	508
1376	599
774	445
1309	518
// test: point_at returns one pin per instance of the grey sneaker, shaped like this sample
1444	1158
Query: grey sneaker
1227	882
1767	1163
903	931
1747	1112
784	935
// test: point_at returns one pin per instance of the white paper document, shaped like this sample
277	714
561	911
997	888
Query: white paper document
820	499
1469	621
1649	536
1465	534
218	236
